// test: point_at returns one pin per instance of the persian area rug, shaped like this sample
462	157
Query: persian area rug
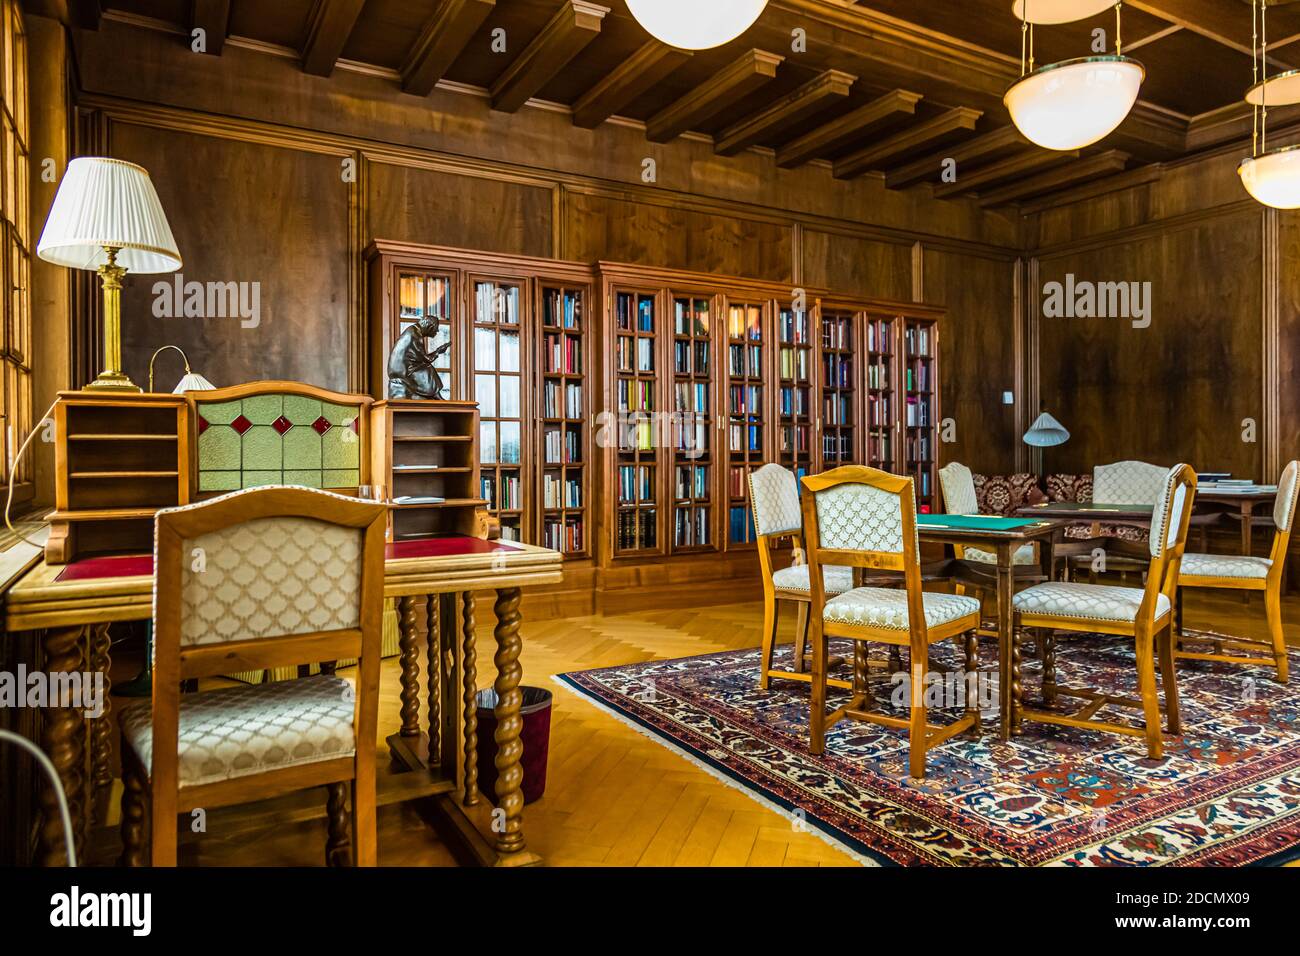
1227	792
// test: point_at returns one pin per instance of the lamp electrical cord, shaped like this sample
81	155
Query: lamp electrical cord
13	471
53	774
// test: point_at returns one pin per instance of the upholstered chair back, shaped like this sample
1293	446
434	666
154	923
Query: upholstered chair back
269	577
774	496
958	486
864	510
1287	488
1128	483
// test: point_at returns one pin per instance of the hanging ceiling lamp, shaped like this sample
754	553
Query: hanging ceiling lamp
1271	177
1074	103
695	25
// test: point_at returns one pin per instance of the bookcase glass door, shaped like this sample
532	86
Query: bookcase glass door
564	413
498	389
881	393
692	423
921	410
636	518
746	451
839	388
794	398
423	294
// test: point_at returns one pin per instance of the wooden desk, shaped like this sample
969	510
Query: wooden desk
74	604
1245	499
1002	536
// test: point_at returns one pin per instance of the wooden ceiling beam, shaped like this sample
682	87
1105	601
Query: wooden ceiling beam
1003	169
331	25
1142	176
441	41
213	18
745	74
638	73
795	105
1226	23
990	144
845	129
914	137
1071	174
574	25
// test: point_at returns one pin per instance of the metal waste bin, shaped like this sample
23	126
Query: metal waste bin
535	736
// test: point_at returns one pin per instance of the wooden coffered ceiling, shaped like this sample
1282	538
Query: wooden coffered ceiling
885	87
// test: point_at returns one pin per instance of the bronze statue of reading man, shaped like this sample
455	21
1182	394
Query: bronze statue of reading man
410	368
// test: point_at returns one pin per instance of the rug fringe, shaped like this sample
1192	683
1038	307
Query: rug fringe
861	858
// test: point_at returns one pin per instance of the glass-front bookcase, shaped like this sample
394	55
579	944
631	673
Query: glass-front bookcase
839	413
795	361
920	422
881	393
636	387
497	365
423	293
746	425
692	423
564	491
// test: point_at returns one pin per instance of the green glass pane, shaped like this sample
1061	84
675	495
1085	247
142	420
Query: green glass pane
219	481
263	449
308	479
263	409
219	413
302	448
341	478
301	410
255	479
219	449
340	449
339	414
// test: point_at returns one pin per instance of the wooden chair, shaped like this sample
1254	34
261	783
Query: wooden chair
957	490
1143	614
774	498
264	578
865	518
1248	573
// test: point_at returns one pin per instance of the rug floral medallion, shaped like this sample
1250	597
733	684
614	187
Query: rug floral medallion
1227	792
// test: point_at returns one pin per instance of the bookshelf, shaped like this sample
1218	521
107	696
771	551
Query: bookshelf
746	391
882	404
796	356
636	385
692	423
839	413
426	293
921	407
497	312
564	491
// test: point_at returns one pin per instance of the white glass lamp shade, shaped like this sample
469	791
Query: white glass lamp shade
1274	178
696	24
108	203
1046	432
193	382
1073	104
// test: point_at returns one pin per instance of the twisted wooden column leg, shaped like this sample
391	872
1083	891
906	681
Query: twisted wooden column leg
338	843
1017	685
135	814
409	660
1047	651
101	739
469	667
434	663
63	738
973	678
510	773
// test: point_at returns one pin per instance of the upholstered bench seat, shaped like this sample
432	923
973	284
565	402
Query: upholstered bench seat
1085	602
1224	566
1023	555
250	730
887	608
835	579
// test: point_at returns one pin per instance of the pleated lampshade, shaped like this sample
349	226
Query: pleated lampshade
108	202
1045	432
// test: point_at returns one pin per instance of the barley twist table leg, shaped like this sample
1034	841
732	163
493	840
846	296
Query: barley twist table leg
434	663
469	667
510	774
409	660
63	738
101	742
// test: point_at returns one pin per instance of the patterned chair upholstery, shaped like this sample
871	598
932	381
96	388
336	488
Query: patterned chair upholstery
961	497
1065	487
774	500
1006	494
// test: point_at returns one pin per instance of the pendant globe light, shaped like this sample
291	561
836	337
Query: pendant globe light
696	24
1272	177
1074	103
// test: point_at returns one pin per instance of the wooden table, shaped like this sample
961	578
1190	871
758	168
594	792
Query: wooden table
1245	498
1002	536
74	604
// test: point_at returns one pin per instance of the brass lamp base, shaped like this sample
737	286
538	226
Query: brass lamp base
113	382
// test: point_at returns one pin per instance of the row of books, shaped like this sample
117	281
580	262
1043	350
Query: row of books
565	536
793	363
922	481
562	447
837	370
916	340
635	395
745	322
562	353
795	439
508	486
692	483
691	435
918	449
794	401
636	529
636	483
837	446
634	354
741	525
691	396
690	527
918	412
837	410
792	327
691	317
879	448
738	481
496	304
420	295
745	437
880	336
918	377
878	411
571	407
837	333
745	361
690	358
560	492
877	376
746	399
562	308
635	311
636	436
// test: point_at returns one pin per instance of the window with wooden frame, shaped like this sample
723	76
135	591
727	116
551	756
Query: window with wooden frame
15	224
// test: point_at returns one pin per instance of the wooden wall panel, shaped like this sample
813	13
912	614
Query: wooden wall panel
413	204
978	360
597	227
1288	344
245	212
857	266
1180	389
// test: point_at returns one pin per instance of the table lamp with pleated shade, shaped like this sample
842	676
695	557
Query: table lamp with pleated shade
106	217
